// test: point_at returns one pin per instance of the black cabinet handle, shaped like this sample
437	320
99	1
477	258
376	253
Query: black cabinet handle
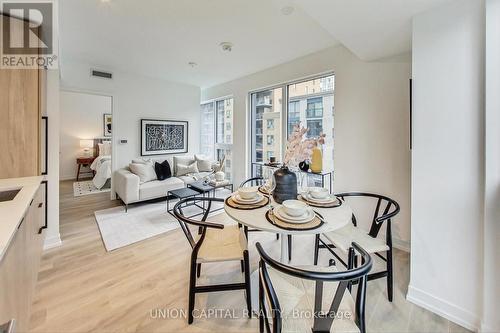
40	205
19	226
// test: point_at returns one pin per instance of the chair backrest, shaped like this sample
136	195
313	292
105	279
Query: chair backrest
184	221
255	181
390	208
323	320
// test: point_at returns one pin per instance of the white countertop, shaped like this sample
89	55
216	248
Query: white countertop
12	212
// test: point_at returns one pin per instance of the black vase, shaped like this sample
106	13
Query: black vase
286	185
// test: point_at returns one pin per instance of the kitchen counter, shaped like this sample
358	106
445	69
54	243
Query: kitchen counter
13	211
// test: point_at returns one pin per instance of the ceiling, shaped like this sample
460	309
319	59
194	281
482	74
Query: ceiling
159	38
370	29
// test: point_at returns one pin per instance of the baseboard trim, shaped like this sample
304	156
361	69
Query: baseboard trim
401	245
52	242
443	308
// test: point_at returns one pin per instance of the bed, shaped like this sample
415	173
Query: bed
102	163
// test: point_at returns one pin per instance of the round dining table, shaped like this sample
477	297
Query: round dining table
334	218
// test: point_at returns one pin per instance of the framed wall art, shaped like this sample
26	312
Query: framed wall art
160	137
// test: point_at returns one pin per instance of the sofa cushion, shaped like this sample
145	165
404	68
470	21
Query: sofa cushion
159	188
184	160
183	170
145	171
163	170
204	164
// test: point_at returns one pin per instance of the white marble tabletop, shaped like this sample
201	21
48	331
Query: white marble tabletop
335	218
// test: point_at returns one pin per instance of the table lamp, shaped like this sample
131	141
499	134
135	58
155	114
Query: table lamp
86	145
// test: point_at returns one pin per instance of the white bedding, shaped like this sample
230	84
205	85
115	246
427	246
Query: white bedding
102	168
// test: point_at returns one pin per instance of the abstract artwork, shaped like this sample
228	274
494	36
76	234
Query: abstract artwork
163	137
107	124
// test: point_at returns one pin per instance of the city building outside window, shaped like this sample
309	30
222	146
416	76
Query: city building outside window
217	131
315	107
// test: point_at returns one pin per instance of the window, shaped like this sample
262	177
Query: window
315	107
270	140
217	131
309	103
293	115
207	135
270	154
266	123
270	124
315	128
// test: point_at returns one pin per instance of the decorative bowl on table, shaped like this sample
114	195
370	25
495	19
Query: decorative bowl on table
294	208
318	192
248	193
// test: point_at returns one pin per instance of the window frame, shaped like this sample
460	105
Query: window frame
285	116
217	145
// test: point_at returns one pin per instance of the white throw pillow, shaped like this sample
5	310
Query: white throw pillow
204	164
145	171
184	160
104	148
143	161
185	169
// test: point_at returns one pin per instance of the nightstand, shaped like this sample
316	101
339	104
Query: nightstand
85	161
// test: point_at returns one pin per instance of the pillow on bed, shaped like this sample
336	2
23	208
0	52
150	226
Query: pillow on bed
163	170
145	171
104	148
185	169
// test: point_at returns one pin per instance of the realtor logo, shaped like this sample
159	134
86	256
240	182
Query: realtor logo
28	34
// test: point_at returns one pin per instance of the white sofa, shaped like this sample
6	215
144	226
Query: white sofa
130	190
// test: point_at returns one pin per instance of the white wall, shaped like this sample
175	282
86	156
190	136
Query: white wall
448	161
491	292
371	122
136	97
81	118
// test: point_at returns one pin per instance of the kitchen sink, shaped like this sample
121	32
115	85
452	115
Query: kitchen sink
8	195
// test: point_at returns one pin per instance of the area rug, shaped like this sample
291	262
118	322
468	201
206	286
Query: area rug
87	187
142	221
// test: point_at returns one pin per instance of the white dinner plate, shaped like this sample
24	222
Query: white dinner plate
238	199
307	217
328	200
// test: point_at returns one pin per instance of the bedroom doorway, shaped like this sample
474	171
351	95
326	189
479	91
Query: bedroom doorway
86	136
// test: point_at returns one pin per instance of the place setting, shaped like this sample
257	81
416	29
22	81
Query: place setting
247	198
319	197
294	215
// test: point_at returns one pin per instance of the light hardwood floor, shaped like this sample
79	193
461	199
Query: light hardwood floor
83	288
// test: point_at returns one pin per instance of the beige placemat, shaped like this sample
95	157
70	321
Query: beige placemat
336	203
233	204
316	222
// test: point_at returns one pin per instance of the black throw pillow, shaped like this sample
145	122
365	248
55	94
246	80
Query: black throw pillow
163	170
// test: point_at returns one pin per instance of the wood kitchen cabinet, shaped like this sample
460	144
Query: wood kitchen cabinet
21	106
19	266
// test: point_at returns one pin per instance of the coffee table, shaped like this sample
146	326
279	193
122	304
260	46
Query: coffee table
204	188
180	194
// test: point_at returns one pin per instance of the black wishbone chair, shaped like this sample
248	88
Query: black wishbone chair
259	181
215	243
342	238
311	299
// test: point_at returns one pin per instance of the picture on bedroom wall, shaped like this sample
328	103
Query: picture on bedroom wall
163	137
107	124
